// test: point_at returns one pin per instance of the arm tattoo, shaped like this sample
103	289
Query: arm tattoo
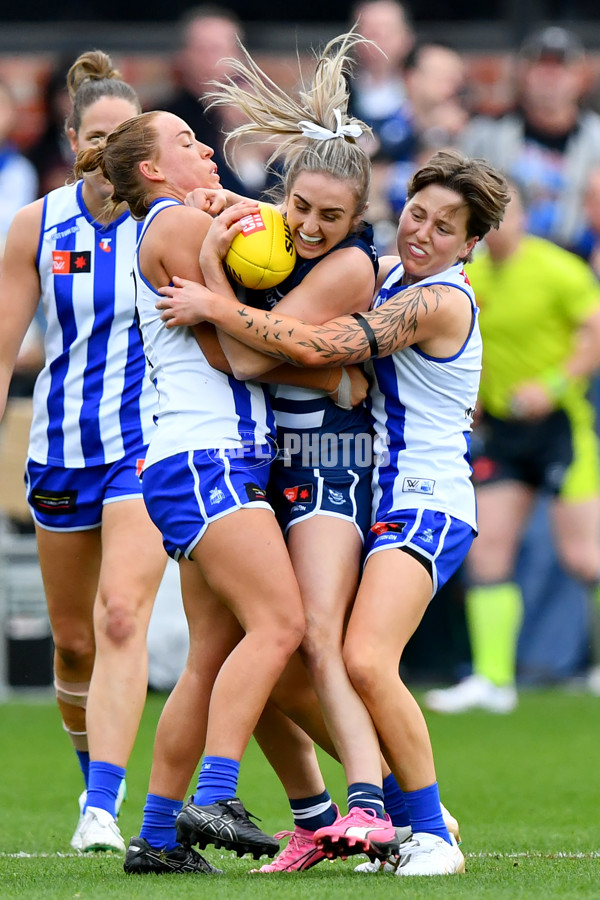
344	340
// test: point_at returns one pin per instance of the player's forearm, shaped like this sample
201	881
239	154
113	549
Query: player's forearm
338	342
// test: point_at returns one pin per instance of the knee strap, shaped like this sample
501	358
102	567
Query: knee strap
72	693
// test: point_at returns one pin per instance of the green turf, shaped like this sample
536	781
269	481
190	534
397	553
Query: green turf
524	787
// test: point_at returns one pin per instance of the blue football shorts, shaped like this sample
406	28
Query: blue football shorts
184	493
72	499
299	493
437	540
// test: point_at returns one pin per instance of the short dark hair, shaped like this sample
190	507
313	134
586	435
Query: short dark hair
483	188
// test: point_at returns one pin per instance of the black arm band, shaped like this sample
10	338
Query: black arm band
369	333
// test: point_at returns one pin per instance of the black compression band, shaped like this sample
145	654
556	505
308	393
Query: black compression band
369	333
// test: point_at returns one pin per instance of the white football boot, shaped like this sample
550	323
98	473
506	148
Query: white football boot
99	831
474	692
121	797
430	854
389	866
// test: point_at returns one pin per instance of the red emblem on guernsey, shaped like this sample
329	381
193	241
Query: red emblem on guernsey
105	245
252	223
69	262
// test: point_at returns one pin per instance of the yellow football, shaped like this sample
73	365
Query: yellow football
263	253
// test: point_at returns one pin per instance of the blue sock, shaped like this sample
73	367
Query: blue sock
314	812
84	764
103	785
367	796
425	812
217	780
158	827
394	802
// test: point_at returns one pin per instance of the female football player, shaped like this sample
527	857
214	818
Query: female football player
423	341
100	555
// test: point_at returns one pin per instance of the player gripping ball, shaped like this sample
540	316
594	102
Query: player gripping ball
262	255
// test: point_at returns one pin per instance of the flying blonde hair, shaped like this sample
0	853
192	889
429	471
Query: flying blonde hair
313	130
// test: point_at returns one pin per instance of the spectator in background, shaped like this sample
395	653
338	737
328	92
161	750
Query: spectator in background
378	92
208	38
18	179
548	143
590	245
18	187
436	108
52	154
540	322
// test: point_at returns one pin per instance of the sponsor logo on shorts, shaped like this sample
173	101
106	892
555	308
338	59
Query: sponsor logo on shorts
299	492
418	486
298	507
70	262
381	527
255	492
139	467
54	503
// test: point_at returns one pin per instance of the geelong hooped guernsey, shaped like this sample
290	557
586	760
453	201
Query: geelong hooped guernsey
423	408
300	409
198	406
93	399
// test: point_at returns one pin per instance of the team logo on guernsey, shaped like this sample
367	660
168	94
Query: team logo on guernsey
382	527
69	262
418	486
105	245
299	492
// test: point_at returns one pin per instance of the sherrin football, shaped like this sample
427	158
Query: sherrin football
263	253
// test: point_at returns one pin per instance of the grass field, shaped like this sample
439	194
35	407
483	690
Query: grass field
525	788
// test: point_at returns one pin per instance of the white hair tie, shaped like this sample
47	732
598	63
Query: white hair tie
318	133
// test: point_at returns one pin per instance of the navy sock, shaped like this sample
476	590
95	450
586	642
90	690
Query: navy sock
314	812
158	827
394	802
367	796
103	785
425	811
84	764
217	780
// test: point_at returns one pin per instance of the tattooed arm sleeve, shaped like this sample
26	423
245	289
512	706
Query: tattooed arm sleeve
341	341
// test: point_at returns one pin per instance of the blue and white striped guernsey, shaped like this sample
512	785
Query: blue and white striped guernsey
423	411
198	406
93	400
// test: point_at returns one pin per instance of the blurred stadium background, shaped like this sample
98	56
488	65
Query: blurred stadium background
36	36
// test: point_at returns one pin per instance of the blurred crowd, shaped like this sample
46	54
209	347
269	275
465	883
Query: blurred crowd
417	97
